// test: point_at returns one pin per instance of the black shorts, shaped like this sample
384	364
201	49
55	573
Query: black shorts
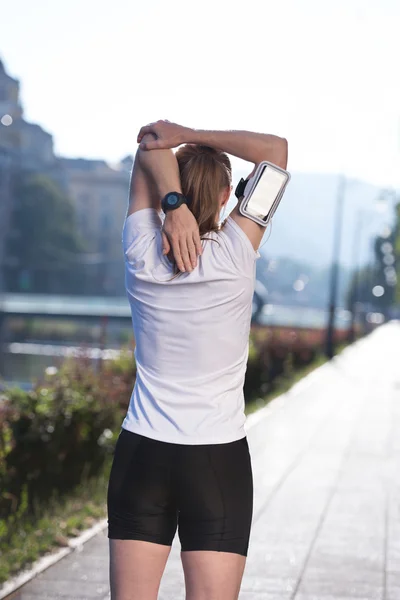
206	491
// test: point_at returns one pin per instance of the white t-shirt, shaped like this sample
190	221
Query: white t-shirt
191	334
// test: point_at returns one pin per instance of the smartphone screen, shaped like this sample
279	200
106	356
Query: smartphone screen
269	184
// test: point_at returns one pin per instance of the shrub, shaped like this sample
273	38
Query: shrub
275	353
63	431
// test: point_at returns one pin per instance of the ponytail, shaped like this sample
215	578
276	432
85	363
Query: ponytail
204	173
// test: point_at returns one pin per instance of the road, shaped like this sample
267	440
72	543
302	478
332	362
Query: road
326	461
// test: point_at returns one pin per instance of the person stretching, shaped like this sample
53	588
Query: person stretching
182	459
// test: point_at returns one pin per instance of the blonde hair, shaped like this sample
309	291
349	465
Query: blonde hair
204	173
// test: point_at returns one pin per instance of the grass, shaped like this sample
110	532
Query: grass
29	539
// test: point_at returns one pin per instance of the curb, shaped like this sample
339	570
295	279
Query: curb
50	559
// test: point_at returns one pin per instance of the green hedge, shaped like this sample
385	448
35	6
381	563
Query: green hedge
275	354
63	431
60	432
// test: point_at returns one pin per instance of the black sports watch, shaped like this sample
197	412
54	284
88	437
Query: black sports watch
173	200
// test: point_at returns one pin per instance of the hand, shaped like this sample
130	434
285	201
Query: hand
169	135
182	232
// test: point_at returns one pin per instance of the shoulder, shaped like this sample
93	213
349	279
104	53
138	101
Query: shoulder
147	218
238	245
138	225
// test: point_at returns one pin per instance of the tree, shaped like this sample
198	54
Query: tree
385	279
376	285
43	248
396	244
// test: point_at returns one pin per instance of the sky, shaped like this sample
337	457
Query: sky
322	73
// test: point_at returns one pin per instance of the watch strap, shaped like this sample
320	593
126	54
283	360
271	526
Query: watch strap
181	200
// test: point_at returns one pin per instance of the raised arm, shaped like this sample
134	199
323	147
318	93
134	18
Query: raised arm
250	146
247	145
254	147
154	175
160	172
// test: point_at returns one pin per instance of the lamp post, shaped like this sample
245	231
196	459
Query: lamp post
381	205
356	280
337	239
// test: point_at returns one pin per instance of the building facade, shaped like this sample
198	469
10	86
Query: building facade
97	190
29	141
99	194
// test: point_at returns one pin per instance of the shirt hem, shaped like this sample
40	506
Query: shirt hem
183	441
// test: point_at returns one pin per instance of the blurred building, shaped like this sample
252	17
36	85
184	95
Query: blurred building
6	166
23	145
10	110
99	193
32	147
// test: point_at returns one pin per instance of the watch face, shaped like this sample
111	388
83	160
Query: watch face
172	200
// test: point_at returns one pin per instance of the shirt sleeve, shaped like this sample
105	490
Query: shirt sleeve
138	227
240	248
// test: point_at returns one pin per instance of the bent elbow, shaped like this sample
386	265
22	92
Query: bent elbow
282	152
275	150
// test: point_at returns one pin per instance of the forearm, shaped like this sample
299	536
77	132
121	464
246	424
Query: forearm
180	230
250	146
162	167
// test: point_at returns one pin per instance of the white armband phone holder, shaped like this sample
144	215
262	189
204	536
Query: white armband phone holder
260	195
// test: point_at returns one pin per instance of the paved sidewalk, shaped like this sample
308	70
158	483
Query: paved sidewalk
326	460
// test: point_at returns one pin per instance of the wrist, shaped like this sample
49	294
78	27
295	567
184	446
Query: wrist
178	211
